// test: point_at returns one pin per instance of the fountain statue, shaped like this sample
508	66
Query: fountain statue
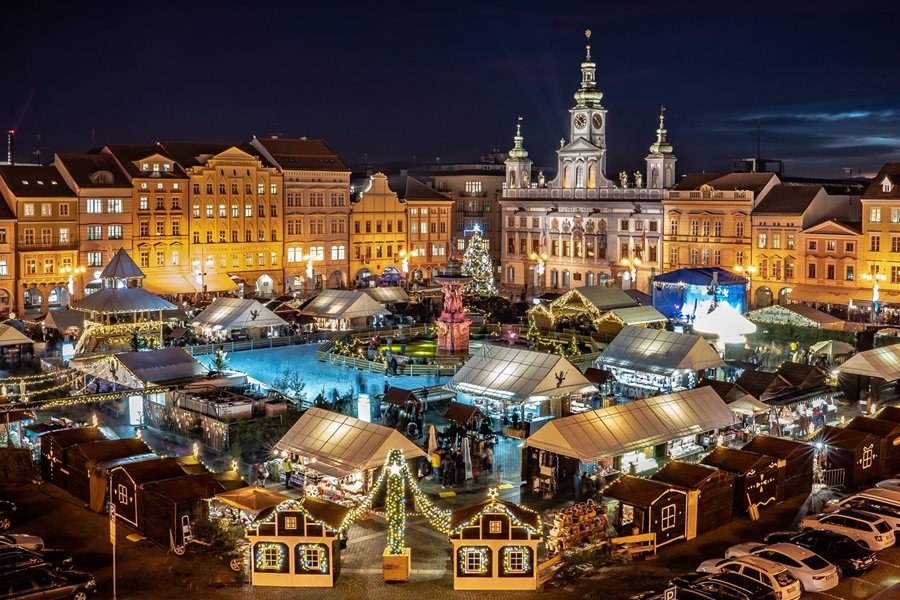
453	325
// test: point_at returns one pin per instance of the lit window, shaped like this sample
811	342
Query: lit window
496	527
115	232
875	214
94	206
290	522
122	493
144	203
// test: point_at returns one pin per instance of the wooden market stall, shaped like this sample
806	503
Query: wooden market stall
461	413
585	305
127	484
795	463
710	490
91	462
298	545
889	434
54	446
170	506
495	546
763	385
755	477
344	310
802	376
857	453
612	322
647	506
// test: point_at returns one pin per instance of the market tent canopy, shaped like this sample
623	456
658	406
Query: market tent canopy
638	315
659	351
236	313
138	370
171	284
614	430
725	322
795	314
748	405
388	294
881	362
122	300
832	348
517	375
218	282
64	320
701	276
252	499
10	336
341	445
343	304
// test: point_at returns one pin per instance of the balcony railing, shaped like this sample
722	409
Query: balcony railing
481	194
53	244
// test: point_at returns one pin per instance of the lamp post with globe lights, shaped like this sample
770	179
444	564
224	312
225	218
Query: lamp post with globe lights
876	279
632	265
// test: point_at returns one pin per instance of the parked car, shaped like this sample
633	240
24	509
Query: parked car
885	507
849	557
814	572
7	511
15	556
889	484
785	584
726	585
39	582
870	531
683	594
32	542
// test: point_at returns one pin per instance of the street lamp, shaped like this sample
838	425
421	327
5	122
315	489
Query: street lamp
201	273
875	278
310	270
540	260
632	264
72	272
749	270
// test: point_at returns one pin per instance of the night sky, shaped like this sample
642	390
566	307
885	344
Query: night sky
411	82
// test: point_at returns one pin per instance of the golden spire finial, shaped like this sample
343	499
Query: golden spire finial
519	125
587	34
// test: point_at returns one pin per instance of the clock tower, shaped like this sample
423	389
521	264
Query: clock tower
588	117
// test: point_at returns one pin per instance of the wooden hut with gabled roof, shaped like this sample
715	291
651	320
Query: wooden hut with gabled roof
889	434
495	546
54	452
90	463
298	544
169	508
710	493
856	452
651	507
795	463
755	477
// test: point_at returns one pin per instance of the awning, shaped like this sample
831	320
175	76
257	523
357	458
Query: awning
397	396
252	499
615	430
219	282
171	284
824	294
748	405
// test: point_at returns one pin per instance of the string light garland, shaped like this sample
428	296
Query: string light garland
484	555
263	563
526	559
498	506
322	554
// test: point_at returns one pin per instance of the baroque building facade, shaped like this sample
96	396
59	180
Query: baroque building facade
583	227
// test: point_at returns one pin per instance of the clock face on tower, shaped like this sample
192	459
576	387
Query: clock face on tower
580	120
597	120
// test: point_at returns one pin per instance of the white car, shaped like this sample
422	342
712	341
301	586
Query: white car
870	531
32	542
889	484
814	572
786	586
871	502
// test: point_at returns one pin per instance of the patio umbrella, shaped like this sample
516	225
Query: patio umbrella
252	499
467	456
832	348
432	440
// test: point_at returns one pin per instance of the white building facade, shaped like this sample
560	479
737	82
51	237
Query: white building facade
583	228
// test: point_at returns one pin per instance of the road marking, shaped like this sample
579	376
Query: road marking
505	486
447	494
831	595
135	537
884	562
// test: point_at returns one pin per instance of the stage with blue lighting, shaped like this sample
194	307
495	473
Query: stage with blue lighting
687	294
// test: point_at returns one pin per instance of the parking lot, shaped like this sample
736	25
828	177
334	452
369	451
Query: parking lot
146	571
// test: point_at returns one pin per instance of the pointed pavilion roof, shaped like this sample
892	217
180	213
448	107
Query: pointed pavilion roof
661	147
122	266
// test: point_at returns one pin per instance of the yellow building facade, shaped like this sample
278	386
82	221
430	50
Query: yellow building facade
881	234
429	228
377	231
828	264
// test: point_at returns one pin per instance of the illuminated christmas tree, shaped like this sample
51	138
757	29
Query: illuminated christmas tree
477	264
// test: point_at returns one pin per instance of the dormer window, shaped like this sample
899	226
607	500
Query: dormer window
156	167
104	177
145	167
167	167
886	186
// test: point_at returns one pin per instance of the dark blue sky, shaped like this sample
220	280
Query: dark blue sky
400	80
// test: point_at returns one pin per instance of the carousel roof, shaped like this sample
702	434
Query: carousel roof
122	266
615	430
339	445
343	304
659	351
517	374
236	313
121	300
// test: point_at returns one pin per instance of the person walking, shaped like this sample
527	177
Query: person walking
489	457
261	473
288	467
424	399
436	467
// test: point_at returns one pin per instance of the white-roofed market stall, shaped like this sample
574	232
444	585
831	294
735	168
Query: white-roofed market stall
344	310
336	454
870	369
653	360
233	314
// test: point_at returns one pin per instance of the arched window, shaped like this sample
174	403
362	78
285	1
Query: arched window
592	175
567	182
654	178
512	179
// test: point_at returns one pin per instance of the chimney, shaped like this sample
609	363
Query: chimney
10	146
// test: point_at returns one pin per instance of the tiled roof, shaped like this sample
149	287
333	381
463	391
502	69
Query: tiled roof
787	199
409	188
302	154
129	154
875	191
26	181
754	182
193	154
86	170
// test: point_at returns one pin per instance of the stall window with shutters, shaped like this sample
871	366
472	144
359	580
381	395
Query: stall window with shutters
668	517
